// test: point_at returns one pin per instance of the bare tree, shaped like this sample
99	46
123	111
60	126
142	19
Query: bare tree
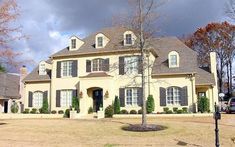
9	32
142	21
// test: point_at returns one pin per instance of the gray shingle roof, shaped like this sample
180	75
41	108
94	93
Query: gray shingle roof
161	47
9	85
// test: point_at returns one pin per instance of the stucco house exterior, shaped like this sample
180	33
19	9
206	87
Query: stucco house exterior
105	64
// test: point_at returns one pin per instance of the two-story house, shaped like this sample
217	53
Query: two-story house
106	64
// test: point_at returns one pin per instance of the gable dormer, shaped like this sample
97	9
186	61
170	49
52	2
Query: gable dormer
173	59
101	40
129	38
43	67
75	43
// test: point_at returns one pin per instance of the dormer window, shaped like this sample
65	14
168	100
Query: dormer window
42	68
129	39
100	41
73	43
173	59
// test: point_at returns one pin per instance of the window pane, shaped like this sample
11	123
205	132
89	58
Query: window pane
73	42
97	65
66	98
37	99
128	96
135	96
173	59
100	41
131	65
128	39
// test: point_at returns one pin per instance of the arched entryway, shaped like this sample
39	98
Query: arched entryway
97	96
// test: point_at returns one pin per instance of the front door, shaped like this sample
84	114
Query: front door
5	106
97	99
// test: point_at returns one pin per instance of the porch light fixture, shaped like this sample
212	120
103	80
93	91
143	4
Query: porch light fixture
80	94
106	95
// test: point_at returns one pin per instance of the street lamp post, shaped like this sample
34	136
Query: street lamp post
217	116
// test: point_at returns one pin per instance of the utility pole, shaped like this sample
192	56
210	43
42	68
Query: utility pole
144	120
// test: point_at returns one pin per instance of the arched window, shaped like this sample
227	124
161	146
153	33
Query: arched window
37	99
173	59
173	95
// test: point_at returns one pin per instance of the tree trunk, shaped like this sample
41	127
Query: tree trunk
231	75
144	119
228	79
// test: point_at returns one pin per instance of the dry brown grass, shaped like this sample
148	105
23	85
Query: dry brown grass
194	132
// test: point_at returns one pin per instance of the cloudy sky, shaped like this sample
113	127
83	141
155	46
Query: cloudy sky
49	23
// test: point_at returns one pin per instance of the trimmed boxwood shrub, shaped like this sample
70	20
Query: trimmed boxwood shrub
123	111
203	104
61	111
75	104
33	111
53	112
175	109
169	112
26	111
109	111
165	109
44	108
185	110
150	104
14	107
90	110
67	113
116	105
179	111
140	111
133	112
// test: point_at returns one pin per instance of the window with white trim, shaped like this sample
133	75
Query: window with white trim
42	69
66	98
131	95
100	41
131	65
37	99
173	60
173	96
73	42
128	39
66	68
97	64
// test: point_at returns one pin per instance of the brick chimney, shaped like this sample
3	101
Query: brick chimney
23	74
214	72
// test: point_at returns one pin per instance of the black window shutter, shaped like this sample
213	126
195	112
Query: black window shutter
74	68
122	97
57	98
140	99
75	93
30	102
162	96
184	96
106	64
58	70
88	65
139	65
121	65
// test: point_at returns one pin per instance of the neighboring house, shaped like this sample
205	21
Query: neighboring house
9	91
106	64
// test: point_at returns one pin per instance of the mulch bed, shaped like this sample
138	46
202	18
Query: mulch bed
146	128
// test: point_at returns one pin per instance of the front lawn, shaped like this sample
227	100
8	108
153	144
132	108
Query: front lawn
108	132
